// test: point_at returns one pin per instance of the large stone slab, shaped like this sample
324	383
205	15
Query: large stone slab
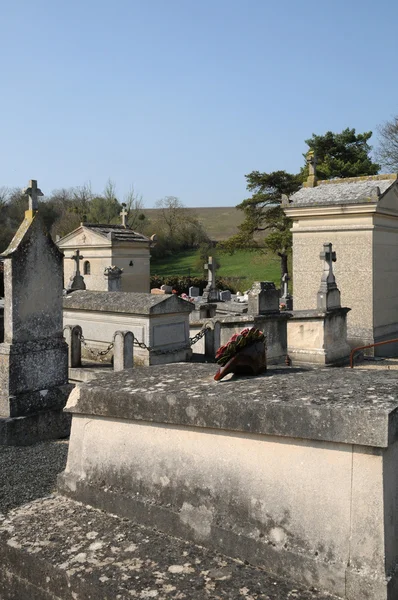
56	549
293	471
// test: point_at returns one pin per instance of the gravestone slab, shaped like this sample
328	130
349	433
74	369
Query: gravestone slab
34	354
225	296
263	297
193	292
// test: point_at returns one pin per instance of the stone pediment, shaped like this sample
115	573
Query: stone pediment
83	237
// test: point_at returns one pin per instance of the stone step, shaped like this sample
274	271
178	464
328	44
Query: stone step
59	549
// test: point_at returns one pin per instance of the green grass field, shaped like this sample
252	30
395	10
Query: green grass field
242	268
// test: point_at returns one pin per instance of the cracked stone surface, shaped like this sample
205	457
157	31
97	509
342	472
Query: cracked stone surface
76	552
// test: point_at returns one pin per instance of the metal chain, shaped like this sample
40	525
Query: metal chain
95	353
192	341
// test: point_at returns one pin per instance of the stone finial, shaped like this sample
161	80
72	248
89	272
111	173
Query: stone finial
311	162
124	214
33	192
328	294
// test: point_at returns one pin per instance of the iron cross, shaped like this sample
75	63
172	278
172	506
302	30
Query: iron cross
34	193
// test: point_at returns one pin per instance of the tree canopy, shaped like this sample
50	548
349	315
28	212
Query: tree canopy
345	154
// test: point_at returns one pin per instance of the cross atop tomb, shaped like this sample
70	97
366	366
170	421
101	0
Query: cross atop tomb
124	214
329	257
328	294
76	282
285	283
210	293
211	271
77	257
34	193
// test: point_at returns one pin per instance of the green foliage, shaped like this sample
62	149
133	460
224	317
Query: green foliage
263	213
238	271
344	154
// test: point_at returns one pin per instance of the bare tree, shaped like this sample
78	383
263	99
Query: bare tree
387	152
135	207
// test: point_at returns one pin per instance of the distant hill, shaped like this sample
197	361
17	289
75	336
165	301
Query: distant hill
220	222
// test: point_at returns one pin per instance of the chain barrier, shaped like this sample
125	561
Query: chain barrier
100	353
192	341
97	354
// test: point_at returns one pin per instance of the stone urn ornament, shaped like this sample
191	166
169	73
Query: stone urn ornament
243	354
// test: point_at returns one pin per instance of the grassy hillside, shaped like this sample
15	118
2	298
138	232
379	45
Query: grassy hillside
242	268
220	222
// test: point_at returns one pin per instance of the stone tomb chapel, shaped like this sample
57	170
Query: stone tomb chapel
103	246
359	216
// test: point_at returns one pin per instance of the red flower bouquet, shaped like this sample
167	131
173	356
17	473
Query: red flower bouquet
241	340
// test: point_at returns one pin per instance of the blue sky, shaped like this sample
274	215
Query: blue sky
183	98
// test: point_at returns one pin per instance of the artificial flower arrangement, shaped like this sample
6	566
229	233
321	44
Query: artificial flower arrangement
238	341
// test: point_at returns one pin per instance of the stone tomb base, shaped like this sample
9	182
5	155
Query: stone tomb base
293	471
58	549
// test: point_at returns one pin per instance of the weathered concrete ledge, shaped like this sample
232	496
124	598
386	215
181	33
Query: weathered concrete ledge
55	549
347	406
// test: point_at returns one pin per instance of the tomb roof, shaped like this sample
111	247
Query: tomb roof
354	190
126	302
118	232
112	233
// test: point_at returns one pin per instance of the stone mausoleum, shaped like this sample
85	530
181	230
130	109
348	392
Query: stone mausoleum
102	246
359	216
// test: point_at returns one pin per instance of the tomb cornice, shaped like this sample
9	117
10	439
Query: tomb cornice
330	210
348	406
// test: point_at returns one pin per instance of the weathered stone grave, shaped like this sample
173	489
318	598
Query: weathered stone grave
33	355
76	282
211	293
360	217
319	336
161	322
293	471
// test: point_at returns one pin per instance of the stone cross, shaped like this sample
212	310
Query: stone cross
328	294
285	282
210	293
34	193
329	257
124	214
77	257
211	271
